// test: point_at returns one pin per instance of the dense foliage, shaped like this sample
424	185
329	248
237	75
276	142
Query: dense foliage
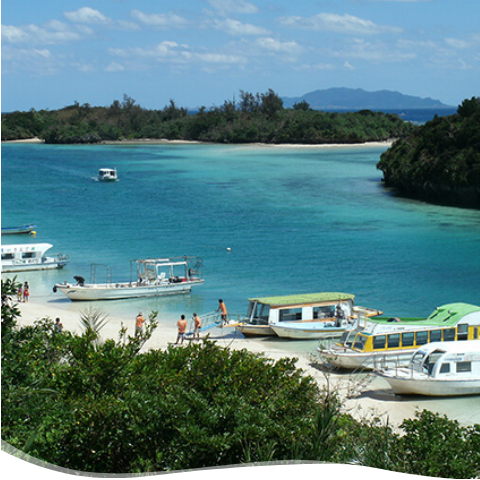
255	118
440	160
105	407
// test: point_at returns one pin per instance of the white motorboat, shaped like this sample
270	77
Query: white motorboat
153	277
438	369
30	256
107	175
380	344
325	312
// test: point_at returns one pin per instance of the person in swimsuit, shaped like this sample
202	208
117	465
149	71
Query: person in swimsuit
197	324
222	308
182	328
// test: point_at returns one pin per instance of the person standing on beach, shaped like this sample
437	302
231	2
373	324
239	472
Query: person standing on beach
197	325
222	308
182	328
139	321
20	293
26	292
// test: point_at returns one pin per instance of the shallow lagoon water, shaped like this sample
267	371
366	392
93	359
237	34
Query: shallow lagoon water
297	219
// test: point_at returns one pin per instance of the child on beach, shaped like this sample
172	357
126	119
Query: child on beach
26	292
20	293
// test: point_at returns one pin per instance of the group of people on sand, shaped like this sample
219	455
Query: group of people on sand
197	324
23	292
182	324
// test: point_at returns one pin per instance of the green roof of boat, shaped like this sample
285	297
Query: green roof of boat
304	298
447	315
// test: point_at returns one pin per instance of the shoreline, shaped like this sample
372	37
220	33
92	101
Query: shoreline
375	400
164	141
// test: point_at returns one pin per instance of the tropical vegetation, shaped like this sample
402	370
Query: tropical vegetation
109	406
440	160
251	119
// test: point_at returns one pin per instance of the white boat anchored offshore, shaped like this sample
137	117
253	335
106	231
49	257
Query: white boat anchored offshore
153	277
30	256
438	369
107	175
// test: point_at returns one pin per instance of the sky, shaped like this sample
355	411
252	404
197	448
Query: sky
204	52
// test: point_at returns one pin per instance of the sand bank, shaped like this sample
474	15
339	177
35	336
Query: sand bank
362	396
164	141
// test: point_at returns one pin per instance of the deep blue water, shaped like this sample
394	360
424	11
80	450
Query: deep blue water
296	220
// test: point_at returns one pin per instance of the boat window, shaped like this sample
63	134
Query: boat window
435	336
7	256
264	314
258	313
252	307
464	367
359	342
445	368
462	331
323	312
29	254
393	340
449	335
475	333
344	337
432	359
379	341
290	314
422	338
408	339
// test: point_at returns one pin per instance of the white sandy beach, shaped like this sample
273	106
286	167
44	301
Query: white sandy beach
374	399
164	141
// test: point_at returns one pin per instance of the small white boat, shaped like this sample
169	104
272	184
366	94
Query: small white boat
153	277
31	256
305	316
107	175
438	369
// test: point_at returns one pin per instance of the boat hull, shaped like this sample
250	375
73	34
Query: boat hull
255	330
18	230
343	358
307	331
428	386
32	264
118	291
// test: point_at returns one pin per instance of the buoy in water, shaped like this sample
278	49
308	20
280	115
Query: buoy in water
229	249
33	232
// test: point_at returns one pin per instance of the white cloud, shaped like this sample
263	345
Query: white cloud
276	46
332	22
233	6
54	32
455	43
373	52
159	19
87	15
236	28
114	67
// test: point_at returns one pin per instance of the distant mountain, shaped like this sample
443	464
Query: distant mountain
358	99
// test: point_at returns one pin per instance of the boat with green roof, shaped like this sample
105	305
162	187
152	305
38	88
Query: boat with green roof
308	315
390	342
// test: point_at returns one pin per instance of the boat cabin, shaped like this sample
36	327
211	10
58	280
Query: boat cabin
24	253
172	270
445	359
107	174
299	308
363	341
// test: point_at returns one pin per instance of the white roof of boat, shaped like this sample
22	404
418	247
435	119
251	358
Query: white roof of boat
459	346
26	247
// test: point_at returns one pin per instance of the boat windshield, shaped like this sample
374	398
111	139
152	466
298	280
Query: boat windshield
431	360
258	313
417	360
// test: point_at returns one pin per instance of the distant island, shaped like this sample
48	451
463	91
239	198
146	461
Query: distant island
358	99
439	161
253	118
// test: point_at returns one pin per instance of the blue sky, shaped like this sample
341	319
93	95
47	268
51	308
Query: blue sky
203	52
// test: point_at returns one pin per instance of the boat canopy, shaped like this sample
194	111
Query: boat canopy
303	299
27	247
451	313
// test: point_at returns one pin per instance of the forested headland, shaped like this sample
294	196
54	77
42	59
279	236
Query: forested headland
439	161
106	406
259	118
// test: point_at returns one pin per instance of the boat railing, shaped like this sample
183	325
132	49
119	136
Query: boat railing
93	273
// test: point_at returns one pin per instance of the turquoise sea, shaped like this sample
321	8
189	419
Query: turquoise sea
297	220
